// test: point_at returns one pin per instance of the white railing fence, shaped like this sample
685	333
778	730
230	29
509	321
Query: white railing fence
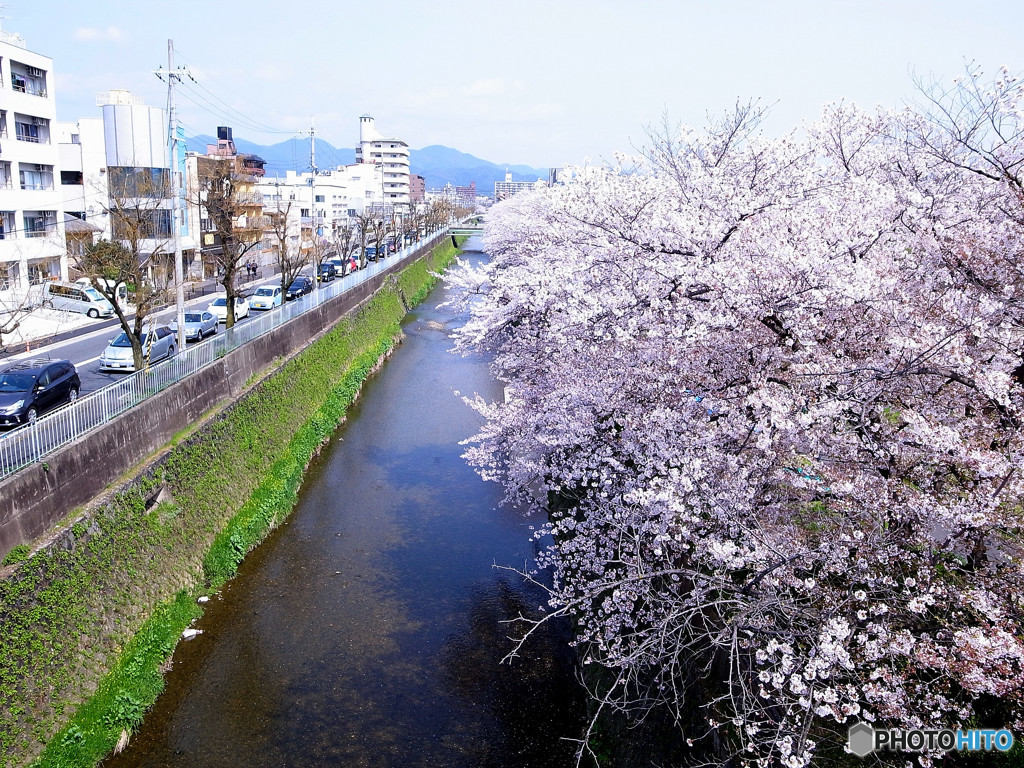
33	442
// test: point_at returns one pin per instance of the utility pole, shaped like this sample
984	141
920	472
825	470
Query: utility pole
312	210
173	76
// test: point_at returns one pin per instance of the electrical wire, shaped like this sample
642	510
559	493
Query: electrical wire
204	98
227	110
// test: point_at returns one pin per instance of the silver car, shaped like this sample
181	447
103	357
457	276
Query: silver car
198	325
118	354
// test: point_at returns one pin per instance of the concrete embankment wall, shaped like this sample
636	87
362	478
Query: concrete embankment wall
77	632
38	497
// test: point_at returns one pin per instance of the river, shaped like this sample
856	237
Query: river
369	629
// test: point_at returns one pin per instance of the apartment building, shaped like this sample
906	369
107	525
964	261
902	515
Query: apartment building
391	154
507	188
31	205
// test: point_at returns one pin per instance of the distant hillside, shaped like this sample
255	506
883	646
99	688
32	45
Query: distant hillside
441	165
437	164
290	155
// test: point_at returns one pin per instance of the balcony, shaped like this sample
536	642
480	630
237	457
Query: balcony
250	198
31	90
33	139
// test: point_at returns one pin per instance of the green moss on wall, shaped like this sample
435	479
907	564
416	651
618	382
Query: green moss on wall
87	623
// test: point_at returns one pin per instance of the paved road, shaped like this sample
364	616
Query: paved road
85	345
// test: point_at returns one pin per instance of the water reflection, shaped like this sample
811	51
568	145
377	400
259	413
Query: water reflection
369	629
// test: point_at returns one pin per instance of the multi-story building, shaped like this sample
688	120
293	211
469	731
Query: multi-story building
417	188
247	174
507	188
31	205
337	196
115	176
392	154
83	184
139	183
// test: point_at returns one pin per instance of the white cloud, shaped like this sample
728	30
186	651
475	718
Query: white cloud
94	34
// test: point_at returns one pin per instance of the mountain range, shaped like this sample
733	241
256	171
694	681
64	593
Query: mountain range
437	164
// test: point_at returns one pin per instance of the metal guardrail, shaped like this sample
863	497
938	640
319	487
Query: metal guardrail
29	444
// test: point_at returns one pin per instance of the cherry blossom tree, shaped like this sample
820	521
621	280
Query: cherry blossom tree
765	395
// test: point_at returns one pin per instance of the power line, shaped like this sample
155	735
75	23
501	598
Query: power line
230	112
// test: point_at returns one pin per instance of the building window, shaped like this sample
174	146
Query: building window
39	223
139	223
320	199
127	181
71	178
27	132
35	176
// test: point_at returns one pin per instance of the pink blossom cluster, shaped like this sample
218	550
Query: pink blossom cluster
766	393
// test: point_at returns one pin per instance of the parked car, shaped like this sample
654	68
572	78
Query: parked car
345	266
219	307
198	325
326	272
31	387
300	286
76	298
371	253
120	290
118	354
266	297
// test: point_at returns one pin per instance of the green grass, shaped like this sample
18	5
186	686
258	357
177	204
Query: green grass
87	626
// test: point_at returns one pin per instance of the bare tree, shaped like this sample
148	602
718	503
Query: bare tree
11	314
344	240
413	221
364	224
289	256
378	232
110	265
439	213
137	256
227	193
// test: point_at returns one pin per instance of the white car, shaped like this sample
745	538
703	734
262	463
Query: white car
266	297
219	307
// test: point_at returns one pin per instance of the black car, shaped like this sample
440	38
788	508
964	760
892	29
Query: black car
326	272
300	286
30	387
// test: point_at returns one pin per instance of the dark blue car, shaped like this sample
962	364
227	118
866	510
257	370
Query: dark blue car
30	387
300	286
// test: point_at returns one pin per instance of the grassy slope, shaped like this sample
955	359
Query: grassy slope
93	623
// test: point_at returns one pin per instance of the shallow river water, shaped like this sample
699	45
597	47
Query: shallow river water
369	629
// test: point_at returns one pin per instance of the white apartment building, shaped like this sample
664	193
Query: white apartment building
392	154
507	188
341	193
31	205
83	183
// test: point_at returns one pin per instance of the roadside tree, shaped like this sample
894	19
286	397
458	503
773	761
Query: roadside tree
227	193
140	254
285	233
344	238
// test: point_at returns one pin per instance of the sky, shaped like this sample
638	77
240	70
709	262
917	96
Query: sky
535	82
